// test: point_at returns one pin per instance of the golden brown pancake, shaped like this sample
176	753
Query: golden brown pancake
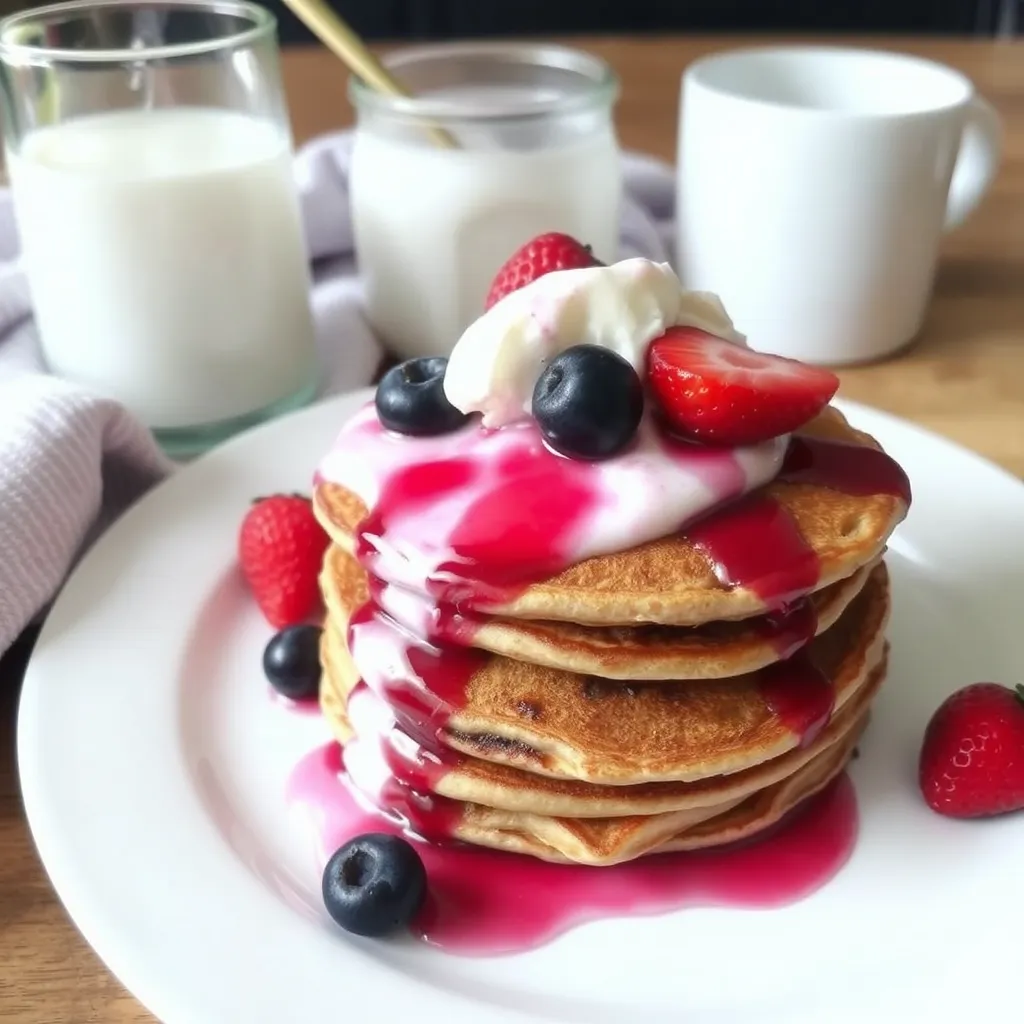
572	726
672	581
711	651
507	788
602	842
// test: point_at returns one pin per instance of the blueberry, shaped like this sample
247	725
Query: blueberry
411	399
588	402
374	884
291	661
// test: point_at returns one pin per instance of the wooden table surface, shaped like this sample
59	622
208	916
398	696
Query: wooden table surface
964	378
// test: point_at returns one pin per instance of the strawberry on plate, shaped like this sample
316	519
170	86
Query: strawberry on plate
972	758
715	392
280	550
542	255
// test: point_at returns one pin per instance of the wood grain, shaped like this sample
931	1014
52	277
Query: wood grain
964	378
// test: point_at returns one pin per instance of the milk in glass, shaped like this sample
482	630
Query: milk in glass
434	223
166	260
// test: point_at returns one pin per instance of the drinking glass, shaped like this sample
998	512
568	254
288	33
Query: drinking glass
150	158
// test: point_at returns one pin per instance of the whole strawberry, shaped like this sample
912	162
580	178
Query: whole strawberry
972	759
280	550
545	253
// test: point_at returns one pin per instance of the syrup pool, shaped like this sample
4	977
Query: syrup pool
484	902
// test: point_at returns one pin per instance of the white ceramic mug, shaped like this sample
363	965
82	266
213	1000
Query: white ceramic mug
814	185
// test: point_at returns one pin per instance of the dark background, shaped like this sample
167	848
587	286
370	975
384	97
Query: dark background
450	19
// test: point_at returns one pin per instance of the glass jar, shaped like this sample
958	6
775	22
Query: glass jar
497	143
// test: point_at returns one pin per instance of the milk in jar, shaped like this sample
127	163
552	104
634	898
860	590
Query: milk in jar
531	152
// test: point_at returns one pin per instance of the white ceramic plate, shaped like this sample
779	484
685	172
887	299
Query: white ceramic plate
154	764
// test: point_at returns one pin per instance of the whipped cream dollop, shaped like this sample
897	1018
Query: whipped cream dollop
623	307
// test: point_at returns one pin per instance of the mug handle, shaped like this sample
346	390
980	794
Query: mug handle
981	148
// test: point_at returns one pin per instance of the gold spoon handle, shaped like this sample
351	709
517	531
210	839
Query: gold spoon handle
339	37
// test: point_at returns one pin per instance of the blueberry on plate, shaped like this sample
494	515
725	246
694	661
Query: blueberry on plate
411	399
588	402
374	884
291	662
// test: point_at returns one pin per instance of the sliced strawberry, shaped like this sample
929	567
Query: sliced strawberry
716	392
540	256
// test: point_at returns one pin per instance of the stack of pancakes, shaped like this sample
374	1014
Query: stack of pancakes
633	703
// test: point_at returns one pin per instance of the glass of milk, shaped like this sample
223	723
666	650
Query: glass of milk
499	143
149	153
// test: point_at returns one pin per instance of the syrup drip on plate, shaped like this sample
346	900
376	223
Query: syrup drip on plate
484	902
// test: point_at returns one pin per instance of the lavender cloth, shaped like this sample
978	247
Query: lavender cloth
70	461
